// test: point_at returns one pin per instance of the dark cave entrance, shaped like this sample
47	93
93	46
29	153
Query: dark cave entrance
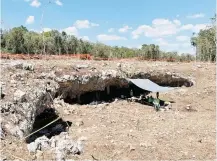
108	95
46	117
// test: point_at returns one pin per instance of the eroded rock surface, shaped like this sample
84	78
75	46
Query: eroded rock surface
28	92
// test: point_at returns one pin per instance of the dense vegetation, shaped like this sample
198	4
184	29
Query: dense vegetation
20	40
205	42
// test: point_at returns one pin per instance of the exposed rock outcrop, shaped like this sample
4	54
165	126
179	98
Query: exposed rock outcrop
34	91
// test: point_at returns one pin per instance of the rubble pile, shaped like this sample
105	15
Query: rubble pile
60	145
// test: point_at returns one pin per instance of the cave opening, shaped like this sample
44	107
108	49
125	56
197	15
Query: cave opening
43	119
108	95
71	93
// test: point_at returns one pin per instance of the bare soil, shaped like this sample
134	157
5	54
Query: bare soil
132	131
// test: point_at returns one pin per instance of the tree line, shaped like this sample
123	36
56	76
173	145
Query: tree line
20	40
205	42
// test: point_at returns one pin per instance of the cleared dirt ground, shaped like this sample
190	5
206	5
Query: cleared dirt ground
132	131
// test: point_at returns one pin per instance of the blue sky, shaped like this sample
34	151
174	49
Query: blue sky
130	23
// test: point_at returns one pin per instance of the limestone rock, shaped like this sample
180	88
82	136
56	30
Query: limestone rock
29	67
62	145
17	65
82	66
19	96
42	143
32	147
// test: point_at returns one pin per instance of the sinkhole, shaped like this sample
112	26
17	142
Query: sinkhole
97	90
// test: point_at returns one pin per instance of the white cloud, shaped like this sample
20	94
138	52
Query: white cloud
58	2
165	27
183	38
84	24
187	27
124	29
111	30
30	20
199	27
194	28
71	31
135	46
86	38
35	3
174	46
177	22
33	30
159	27
140	30
162	42
47	29
104	37
199	15
161	21
139	47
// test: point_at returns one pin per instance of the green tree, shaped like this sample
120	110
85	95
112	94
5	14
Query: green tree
20	40
15	40
205	42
